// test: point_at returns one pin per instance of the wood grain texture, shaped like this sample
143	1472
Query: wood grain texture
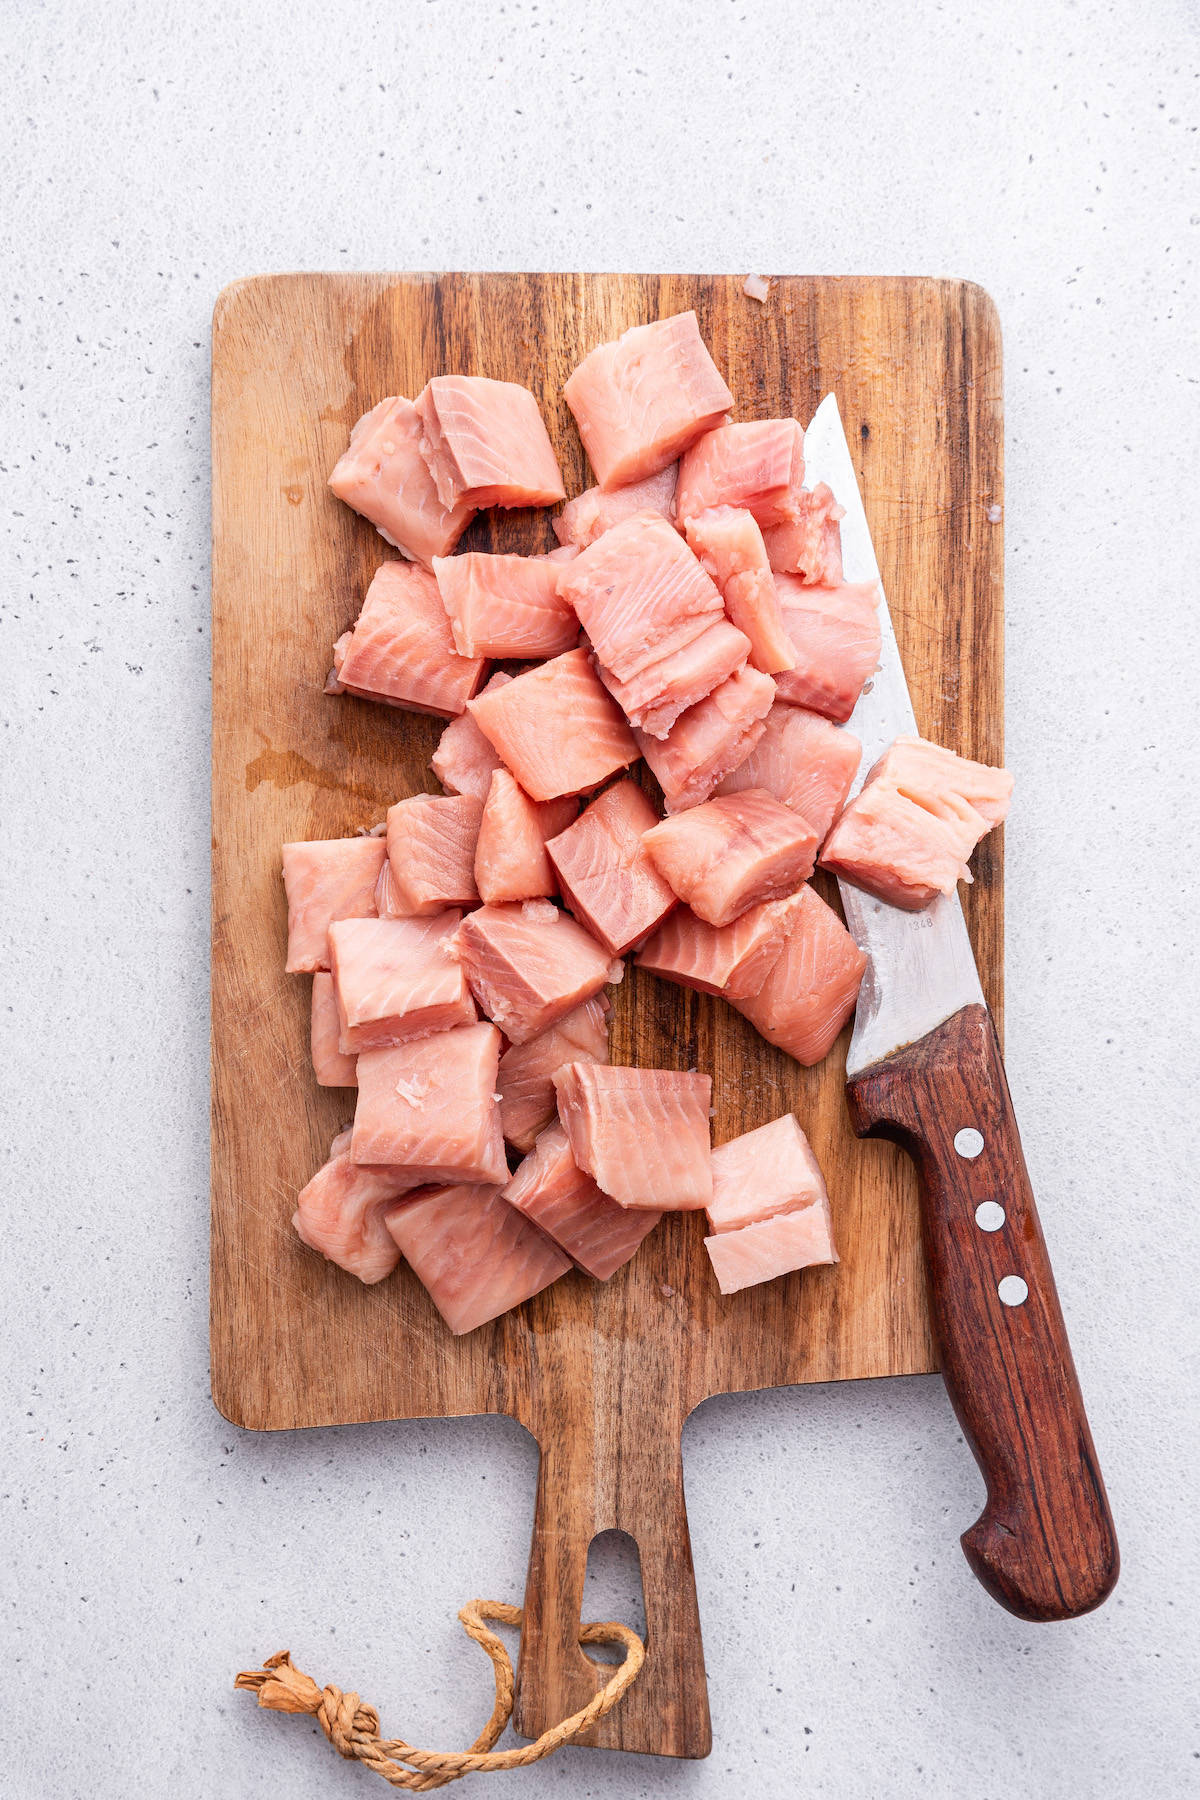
1044	1546
604	1376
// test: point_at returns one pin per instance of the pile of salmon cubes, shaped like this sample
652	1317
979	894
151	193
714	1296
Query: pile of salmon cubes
694	618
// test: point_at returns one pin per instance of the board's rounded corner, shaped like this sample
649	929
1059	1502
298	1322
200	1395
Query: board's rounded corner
983	303
232	297
230	1408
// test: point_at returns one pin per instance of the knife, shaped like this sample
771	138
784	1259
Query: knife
924	1068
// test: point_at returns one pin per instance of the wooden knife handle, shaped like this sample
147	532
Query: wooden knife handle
1044	1545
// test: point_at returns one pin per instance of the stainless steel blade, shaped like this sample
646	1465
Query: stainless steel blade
921	968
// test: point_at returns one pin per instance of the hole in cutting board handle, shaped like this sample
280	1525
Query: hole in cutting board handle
612	1589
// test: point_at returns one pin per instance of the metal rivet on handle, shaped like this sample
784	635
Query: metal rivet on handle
1013	1291
989	1215
968	1142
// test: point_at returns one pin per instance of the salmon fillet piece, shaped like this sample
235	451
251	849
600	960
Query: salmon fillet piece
341	1213
640	401
778	1246
710	739
475	1255
396	979
510	855
762	1173
907	835
640	594
730	545
809	545
383	476
327	879
551	1189
529	965
429	1107
485	443
464	759
641	1134
758	464
835	634
655	699
810	991
401	649
431	842
330	1067
604	873
556	727
731	960
584	519
526	1078
806	761
505	606
734	853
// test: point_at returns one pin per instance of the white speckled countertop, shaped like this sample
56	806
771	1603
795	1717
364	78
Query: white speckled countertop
149	153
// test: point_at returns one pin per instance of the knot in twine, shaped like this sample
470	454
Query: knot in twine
353	1727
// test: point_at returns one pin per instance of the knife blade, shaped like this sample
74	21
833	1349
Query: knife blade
924	1068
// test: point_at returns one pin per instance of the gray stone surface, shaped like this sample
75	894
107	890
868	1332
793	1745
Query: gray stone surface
149	153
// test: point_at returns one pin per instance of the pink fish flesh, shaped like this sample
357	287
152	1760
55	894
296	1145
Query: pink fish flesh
528	968
594	512
655	699
640	594
431	842
464	759
604	873
778	1246
710	739
486	444
330	1067
641	1134
401	649
907	835
510	855
807	762
327	879
341	1213
475	1255
733	853
810	991
396	979
549	1187
383	476
730	545
758	465
526	1078
430	1107
732	960
764	1172
835	634
505	606
556	728
641	400
810	544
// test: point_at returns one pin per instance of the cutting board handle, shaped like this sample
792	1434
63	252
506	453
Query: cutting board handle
1044	1546
627	1476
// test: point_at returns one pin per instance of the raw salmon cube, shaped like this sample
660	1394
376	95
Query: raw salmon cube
758	465
640	594
778	1246
556	728
604	873
641	1134
341	1213
429	1107
805	761
730	545
526	1079
431	842
710	739
641	400
764	1172
835	634
907	835
327	879
396	979
510	855
474	1254
464	759
731	854
505	606
401	650
733	960
655	699
383	476
552	1190
486	444
529	965
585	518
809	545
810	990
330	1067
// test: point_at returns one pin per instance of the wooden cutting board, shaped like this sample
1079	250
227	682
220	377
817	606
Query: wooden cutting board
603	1375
